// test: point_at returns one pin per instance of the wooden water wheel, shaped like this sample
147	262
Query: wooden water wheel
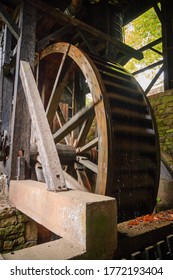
103	127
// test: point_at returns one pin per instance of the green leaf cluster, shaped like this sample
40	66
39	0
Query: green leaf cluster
140	32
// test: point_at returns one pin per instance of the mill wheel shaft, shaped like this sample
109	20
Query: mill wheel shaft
97	107
67	153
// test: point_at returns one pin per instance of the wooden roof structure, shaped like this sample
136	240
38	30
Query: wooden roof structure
52	24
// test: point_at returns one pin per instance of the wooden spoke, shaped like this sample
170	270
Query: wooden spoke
61	121
88	146
57	91
80	141
83	179
74	122
71	183
89	164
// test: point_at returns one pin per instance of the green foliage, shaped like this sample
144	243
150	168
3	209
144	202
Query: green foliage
142	31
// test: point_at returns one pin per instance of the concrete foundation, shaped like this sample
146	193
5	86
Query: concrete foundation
84	219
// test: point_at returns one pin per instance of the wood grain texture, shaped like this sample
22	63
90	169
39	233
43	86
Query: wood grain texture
21	123
47	150
8	20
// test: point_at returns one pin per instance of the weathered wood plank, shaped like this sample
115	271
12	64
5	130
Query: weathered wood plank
6	103
1	84
89	164
7	46
21	123
97	34
8	20
53	37
93	143
84	131
47	151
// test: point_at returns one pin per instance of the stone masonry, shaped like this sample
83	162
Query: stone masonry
17	231
162	104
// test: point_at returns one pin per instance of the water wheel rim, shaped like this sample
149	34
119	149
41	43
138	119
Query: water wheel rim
98	92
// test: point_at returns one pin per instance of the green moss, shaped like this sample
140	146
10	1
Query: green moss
169	130
8	222
12	230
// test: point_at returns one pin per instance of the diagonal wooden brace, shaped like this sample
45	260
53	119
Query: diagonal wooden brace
47	150
9	22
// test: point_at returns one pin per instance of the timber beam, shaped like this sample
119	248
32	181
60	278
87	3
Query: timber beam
20	121
6	18
62	19
49	158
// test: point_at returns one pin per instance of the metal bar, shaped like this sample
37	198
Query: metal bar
156	51
154	80
9	22
148	67
152	44
158	11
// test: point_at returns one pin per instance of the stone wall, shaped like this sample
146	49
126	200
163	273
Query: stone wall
17	231
162	104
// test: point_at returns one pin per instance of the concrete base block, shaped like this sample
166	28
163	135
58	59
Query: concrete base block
85	219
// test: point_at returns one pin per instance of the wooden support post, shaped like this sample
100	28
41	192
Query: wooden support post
167	33
7	92
1	75
47	151
7	46
6	84
21	124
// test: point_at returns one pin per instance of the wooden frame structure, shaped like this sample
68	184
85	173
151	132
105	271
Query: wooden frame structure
19	43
